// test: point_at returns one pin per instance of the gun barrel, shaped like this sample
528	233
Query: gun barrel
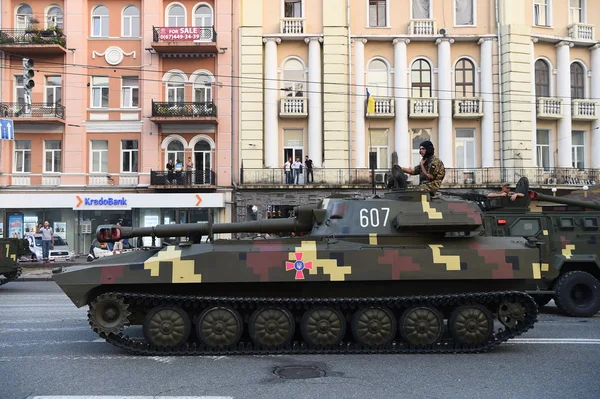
566	201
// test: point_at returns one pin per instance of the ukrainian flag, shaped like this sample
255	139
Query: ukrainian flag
370	103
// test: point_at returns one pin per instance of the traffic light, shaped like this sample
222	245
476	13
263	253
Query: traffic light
28	82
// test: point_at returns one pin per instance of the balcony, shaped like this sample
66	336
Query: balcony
421	27
423	108
184	112
384	108
584	110
189	39
468	108
582	32
195	178
549	108
293	107
36	113
28	42
292	26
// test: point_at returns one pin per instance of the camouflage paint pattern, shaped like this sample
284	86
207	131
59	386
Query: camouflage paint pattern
10	251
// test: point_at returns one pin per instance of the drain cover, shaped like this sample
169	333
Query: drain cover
298	372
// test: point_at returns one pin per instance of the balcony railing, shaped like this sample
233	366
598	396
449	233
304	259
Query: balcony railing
468	108
184	34
549	108
425	108
384	108
33	36
585	110
36	110
185	178
292	26
469	177
582	32
183	109
421	27
293	107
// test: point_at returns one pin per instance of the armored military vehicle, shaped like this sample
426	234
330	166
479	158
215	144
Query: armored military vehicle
362	275
11	249
567	231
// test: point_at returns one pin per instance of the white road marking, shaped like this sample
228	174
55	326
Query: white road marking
557	341
130	397
94	357
22	330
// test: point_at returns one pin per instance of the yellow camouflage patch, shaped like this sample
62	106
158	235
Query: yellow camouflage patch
536	270
183	270
452	262
372	239
432	213
545	232
545	267
567	251
13	256
308	249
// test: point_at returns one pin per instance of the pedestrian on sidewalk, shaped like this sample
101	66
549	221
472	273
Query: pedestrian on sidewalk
47	241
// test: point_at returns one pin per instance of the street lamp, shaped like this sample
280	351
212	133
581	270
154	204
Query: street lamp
554	191
585	190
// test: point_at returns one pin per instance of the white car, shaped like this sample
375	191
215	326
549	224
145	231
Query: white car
102	249
59	252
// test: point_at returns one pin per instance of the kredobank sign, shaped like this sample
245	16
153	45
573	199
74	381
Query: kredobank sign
102	201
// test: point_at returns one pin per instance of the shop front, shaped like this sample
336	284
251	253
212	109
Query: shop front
75	217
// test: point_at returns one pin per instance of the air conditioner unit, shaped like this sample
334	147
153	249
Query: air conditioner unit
380	177
443	31
552	180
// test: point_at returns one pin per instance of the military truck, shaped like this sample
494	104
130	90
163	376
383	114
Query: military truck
567	231
11	249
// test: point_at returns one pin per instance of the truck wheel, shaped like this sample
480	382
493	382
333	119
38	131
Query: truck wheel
542	300
577	294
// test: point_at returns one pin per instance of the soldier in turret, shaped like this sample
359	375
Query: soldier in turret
505	192
431	169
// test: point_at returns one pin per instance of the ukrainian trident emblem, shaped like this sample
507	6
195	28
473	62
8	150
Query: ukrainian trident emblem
299	265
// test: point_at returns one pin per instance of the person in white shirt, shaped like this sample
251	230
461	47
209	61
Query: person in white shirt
297	166
287	167
47	241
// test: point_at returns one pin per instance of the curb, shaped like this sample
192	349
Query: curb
26	279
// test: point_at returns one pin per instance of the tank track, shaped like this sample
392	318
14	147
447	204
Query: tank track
194	304
11	276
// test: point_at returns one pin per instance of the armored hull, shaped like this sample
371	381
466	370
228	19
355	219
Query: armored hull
390	274
10	251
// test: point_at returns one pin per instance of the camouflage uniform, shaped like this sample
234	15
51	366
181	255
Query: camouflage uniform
435	167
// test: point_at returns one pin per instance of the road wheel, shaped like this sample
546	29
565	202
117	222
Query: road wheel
108	314
323	326
374	326
272	326
219	326
471	324
577	294
167	326
421	326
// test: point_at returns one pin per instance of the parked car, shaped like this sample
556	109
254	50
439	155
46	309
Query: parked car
102	249
59	252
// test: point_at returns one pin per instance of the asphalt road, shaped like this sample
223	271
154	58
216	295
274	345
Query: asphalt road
47	348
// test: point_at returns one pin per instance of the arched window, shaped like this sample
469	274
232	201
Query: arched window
131	22
54	17
464	73
203	89
203	17
176	16
175	151
202	162
100	21
542	79
377	78
24	17
294	78
176	89
420	79
577	81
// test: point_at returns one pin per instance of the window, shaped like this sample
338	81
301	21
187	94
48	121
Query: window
130	91
543	149
175	151
129	156
293	144
420	75
293	9
465	148
53	90
293	78
526	228
578	149
24	17
577	81
99	91
576	12
54	18
19	90
100	21
464	12
421	9
378	149
52	156
377	78
131	22
99	156
542	79
465	78
377	13
541	12
418	135
176	16
22	156
203	89
176	89
203	17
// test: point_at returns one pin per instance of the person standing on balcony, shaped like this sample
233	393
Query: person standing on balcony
308	164
297	166
189	167
170	168
178	170
431	170
287	167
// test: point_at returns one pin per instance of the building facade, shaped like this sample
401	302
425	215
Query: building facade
121	88
503	88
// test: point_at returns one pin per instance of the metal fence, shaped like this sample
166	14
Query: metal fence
184	178
33	36
36	110
183	109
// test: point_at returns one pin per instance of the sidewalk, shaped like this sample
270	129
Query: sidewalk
37	271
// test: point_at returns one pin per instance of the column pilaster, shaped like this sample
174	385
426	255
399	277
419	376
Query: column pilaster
445	147
563	91
534	40
271	98
315	105
487	96
595	94
402	143
359	101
